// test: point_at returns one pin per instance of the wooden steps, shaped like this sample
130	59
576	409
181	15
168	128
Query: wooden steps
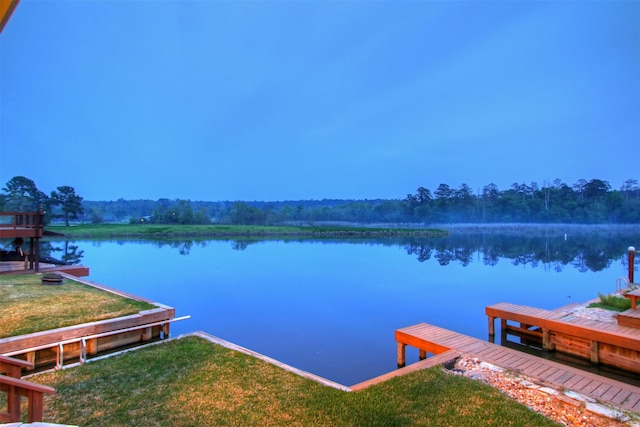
629	318
437	340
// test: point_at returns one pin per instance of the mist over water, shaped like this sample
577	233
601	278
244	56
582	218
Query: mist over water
331	307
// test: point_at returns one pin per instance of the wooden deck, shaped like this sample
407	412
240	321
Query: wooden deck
18	267
432	339
599	342
21	224
83	341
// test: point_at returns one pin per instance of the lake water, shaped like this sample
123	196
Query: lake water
331	307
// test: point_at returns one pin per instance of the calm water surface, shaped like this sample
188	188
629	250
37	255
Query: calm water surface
331	308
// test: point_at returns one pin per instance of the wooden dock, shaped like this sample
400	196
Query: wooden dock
21	225
600	342
18	267
55	347
435	340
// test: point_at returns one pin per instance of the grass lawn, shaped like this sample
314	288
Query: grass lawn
192	382
27	306
612	302
169	230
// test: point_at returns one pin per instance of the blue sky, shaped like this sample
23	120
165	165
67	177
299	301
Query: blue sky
282	100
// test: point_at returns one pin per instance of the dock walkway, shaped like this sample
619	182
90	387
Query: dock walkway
435	340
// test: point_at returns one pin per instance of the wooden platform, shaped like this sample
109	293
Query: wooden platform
17	267
432	339
599	342
79	342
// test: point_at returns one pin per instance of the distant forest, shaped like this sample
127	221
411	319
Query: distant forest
585	202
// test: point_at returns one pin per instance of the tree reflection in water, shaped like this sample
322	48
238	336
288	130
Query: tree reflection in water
584	252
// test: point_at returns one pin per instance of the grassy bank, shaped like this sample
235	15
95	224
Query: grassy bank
27	306
164	230
192	382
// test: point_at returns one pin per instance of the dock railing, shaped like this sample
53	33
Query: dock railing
20	225
16	224
15	388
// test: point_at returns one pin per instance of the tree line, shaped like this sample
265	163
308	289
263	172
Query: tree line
584	202
22	195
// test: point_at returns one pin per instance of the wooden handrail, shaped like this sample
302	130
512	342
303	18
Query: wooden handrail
12	367
26	385
16	388
23	219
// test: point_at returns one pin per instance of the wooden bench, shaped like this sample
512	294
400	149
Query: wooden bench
15	388
633	296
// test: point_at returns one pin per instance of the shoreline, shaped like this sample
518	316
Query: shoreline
338	229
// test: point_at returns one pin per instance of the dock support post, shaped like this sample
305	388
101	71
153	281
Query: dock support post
31	357
422	354
165	330
547	345
147	334
92	346
595	352
492	329
402	355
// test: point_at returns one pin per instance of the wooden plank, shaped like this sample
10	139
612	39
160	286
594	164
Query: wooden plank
610	394
12	344
547	371
636	397
437	360
565	377
602	389
621	397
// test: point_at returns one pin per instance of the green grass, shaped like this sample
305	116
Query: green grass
164	230
612	302
192	382
27	306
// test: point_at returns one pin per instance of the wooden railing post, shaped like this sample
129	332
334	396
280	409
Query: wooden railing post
36	406
14	387
632	254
